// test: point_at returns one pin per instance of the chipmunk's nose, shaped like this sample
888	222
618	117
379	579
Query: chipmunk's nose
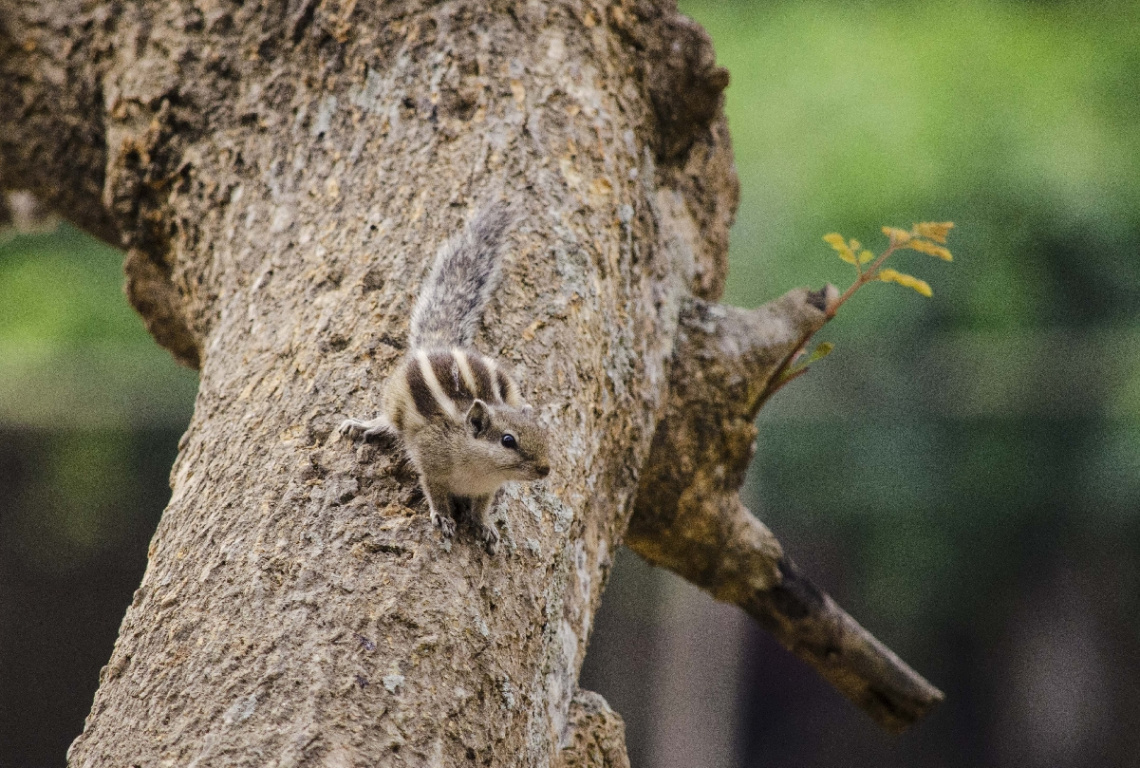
542	471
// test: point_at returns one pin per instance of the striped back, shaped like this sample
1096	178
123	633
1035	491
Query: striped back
443	383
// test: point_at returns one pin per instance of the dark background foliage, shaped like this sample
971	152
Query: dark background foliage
962	474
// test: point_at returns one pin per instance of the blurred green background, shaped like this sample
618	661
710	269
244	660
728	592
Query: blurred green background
962	474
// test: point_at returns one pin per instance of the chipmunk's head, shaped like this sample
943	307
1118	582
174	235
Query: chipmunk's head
508	441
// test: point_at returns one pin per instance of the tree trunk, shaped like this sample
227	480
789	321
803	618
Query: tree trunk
281	174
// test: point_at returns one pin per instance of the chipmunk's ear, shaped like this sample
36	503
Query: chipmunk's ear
478	418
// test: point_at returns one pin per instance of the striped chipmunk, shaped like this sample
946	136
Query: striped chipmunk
457	414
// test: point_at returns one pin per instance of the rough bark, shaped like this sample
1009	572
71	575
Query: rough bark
280	174
689	517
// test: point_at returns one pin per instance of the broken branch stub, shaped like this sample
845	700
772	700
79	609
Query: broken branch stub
688	516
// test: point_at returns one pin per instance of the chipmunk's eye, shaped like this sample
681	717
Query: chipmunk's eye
509	441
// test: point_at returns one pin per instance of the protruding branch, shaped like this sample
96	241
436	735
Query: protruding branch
808	623
689	518
52	123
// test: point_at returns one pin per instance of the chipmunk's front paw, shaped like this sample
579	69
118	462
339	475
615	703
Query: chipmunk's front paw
351	426
367	429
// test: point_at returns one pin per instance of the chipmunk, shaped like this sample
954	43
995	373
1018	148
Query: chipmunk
459	417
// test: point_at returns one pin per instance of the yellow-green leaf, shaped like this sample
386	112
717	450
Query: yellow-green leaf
836	241
822	350
865	257
934	230
934	250
897	236
908	281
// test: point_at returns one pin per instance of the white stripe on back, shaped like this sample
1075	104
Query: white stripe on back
493	370
465	371
446	404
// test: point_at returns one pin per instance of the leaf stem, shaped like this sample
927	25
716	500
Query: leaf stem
864	277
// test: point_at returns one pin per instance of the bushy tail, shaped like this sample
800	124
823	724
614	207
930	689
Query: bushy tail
465	272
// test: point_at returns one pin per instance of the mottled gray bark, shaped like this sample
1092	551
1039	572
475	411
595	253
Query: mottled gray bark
280	174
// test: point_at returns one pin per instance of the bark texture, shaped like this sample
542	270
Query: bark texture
280	174
689	517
